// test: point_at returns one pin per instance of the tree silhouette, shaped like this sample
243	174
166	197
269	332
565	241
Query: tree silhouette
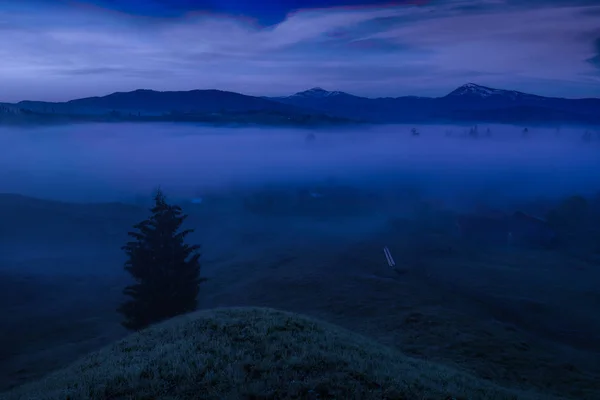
474	132
166	270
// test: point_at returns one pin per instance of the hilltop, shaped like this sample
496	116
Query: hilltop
255	353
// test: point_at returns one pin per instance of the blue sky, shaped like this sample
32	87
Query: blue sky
62	49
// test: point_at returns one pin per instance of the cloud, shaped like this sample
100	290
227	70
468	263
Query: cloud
595	60
63	50
126	72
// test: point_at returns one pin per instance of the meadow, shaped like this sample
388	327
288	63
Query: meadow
300	226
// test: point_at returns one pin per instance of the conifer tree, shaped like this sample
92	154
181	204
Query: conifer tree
166	269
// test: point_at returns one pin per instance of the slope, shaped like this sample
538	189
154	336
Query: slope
250	353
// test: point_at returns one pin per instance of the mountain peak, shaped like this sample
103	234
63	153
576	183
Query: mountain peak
316	92
473	90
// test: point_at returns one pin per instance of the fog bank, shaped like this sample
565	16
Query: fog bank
108	162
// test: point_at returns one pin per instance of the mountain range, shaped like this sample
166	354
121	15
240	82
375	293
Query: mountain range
468	103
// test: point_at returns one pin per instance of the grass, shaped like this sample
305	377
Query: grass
520	319
255	353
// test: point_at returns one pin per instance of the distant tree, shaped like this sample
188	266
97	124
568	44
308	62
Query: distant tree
474	132
166	270
525	132
488	132
414	132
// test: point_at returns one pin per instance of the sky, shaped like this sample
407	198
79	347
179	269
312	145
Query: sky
57	50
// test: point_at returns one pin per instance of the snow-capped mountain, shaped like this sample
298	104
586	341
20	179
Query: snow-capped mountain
317	93
469	102
477	91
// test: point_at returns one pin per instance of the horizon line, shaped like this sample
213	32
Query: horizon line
302	91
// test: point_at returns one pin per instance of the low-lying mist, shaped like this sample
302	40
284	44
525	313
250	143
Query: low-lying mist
297	220
110	162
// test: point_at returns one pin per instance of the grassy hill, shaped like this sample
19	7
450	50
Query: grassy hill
255	353
520	318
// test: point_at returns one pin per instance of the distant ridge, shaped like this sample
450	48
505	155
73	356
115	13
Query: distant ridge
469	102
318	92
468	89
472	89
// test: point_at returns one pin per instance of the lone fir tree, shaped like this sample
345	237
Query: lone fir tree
165	268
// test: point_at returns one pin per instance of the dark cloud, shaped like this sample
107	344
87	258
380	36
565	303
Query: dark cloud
124	72
595	60
266	12
75	50
547	3
90	71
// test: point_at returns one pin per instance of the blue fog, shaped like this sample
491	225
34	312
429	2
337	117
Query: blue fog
465	290
121	162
